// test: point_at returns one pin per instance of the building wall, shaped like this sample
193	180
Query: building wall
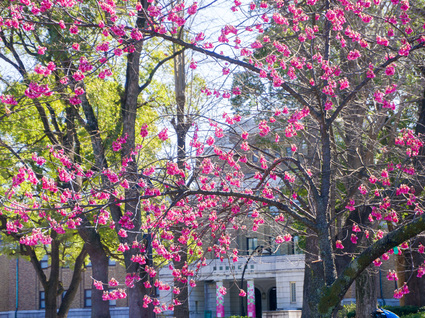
283	289
30	287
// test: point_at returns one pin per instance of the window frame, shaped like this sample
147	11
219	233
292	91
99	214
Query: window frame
42	299
293	292
87	298
44	262
251	241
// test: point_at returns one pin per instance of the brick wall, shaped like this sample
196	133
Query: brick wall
30	287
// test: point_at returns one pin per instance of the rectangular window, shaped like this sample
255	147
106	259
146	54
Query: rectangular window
251	244
112	302
44	262
87	297
255	156
42	300
288	152
293	292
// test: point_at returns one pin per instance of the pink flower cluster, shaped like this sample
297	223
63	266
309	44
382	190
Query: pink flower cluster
400	292
36	237
114	294
35	91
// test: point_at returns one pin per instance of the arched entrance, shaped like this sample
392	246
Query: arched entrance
258	309
272	299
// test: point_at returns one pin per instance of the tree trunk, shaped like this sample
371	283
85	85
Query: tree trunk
366	293
413	258
73	286
314	279
135	302
51	304
51	287
182	310
100	265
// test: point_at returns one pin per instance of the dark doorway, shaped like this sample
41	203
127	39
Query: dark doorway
272	299
258	309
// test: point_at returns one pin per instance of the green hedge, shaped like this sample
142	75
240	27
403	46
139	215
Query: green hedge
349	311
404	310
417	315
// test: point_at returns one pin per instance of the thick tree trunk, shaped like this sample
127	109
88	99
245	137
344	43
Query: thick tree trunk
51	304
314	279
51	287
135	302
129	115
100	265
366	293
137	293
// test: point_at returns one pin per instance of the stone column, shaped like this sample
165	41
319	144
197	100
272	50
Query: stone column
219	299
250	298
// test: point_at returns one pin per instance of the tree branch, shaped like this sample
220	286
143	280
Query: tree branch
334	293
365	81
152	73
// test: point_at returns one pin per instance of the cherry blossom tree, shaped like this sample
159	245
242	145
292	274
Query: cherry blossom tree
337	70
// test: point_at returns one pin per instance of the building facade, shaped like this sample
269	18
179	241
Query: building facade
22	295
272	283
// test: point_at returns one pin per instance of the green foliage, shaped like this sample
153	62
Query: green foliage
415	315
349	311
404	310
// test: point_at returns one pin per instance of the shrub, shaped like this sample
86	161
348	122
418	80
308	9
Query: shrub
403	310
348	311
415	315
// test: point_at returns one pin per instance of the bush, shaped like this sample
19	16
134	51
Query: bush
416	315
348	311
403	310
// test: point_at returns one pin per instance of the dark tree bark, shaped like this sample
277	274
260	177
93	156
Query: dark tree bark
180	127
129	115
52	284
416	297
313	277
366	293
100	265
73	286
